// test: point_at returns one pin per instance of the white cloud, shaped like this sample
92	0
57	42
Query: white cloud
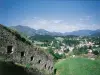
56	25
43	22
85	18
57	21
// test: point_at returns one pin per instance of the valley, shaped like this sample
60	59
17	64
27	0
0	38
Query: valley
73	55
49	37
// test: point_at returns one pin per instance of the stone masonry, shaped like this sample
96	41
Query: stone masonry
16	48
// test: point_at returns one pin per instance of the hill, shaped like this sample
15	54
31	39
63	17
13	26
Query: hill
81	32
24	29
31	32
42	38
95	33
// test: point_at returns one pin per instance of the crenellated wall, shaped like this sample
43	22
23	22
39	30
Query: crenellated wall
17	49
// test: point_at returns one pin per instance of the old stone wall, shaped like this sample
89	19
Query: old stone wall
17	49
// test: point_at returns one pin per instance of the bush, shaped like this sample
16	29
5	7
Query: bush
56	55
82	50
96	52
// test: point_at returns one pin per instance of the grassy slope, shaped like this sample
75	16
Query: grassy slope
78	66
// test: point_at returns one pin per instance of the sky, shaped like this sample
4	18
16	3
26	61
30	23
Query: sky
52	15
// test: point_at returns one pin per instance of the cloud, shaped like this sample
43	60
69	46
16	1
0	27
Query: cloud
57	25
57	21
85	18
43	22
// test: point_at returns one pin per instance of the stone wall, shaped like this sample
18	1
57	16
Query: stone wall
17	49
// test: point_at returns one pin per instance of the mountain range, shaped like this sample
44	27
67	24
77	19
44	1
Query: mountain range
31	32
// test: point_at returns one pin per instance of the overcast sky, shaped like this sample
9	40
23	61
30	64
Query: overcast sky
51	15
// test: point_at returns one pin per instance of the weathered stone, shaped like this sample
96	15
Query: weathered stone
21	51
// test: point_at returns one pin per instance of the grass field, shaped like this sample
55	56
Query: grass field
77	66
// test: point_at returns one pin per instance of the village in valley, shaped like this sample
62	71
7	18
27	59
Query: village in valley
71	46
49	37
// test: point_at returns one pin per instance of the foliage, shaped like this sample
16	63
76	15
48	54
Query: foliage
42	38
71	42
96	52
55	55
82	50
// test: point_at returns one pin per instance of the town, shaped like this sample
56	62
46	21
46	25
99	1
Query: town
69	45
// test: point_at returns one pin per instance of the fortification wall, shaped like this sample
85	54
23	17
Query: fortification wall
18	50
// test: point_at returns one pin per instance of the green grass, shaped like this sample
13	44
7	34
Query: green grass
78	66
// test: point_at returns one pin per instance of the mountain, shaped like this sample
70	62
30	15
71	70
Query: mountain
81	33
24	29
56	34
31	32
96	33
42	32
